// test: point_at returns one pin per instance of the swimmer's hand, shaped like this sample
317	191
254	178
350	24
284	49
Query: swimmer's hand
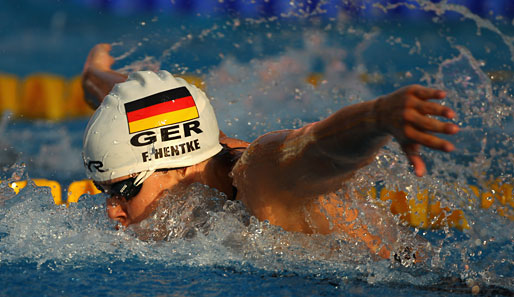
99	58
97	77
405	114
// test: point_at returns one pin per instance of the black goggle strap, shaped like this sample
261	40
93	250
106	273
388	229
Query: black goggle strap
142	176
122	188
127	188
99	187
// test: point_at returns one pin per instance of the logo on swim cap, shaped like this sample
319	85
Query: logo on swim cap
161	109
151	121
97	165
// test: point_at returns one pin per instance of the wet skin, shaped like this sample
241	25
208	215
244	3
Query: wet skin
283	176
144	203
213	172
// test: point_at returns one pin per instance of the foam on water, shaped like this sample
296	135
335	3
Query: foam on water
442	7
197	227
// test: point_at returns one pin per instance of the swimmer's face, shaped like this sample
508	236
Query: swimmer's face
139	207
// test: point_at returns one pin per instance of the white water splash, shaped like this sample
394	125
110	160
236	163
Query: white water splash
440	8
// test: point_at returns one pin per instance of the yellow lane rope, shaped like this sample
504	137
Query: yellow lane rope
421	210
48	96
52	97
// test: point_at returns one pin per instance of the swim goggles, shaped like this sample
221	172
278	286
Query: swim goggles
127	188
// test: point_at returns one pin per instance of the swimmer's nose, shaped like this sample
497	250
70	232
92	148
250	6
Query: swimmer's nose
116	211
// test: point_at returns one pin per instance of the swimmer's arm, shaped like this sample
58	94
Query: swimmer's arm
98	78
315	159
312	160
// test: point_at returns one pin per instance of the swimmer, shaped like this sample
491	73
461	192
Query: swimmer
153	132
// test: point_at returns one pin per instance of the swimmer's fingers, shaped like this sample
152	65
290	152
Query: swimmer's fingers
99	57
425	123
412	152
425	93
102	47
432	108
414	135
417	99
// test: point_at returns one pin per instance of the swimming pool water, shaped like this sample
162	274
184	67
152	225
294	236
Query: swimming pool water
256	74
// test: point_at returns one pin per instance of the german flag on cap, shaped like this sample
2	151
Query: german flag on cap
161	109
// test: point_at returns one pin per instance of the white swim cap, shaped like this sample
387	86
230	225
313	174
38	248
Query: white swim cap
151	121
